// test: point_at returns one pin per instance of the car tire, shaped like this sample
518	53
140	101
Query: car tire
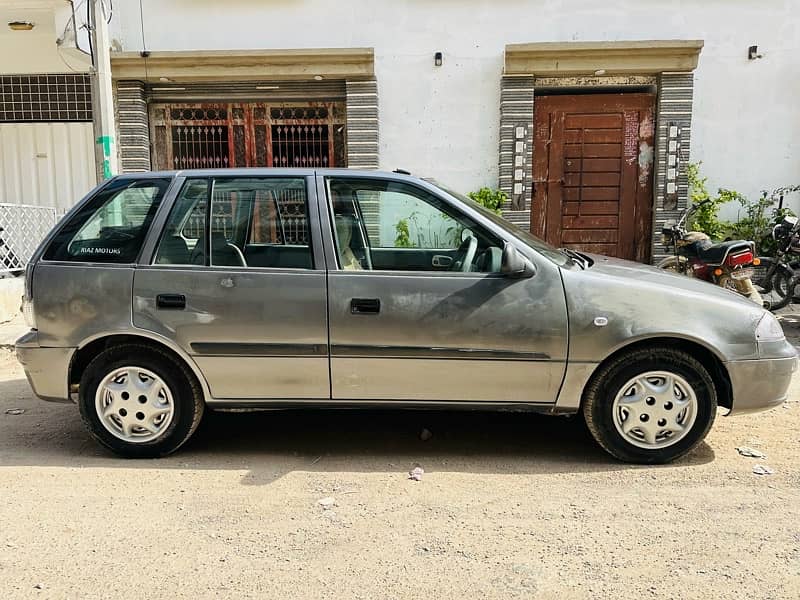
623	389
139	401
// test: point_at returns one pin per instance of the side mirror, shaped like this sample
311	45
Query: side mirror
515	264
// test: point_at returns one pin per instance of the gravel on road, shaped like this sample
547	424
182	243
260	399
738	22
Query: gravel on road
319	504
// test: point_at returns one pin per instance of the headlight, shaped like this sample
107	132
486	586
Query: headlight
768	329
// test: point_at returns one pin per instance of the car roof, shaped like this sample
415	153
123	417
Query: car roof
270	171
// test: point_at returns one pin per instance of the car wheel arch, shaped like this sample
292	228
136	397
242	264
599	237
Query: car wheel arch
708	356
91	347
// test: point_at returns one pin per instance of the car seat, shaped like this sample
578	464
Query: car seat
344	234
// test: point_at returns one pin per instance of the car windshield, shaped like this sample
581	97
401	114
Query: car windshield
542	247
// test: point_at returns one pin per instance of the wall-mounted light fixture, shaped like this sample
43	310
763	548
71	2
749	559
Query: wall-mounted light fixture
21	25
752	53
437	59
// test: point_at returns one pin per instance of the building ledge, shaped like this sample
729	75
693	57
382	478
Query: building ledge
607	58
244	65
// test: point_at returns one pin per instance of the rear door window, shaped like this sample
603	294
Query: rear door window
252	222
112	226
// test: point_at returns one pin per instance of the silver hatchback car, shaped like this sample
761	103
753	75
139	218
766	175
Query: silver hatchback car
161	294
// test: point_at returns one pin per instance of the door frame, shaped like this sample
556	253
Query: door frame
635	208
270	351
541	367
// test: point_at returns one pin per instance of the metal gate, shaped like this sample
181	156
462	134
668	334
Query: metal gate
254	134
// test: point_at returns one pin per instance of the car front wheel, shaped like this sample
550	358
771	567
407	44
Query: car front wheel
650	405
139	402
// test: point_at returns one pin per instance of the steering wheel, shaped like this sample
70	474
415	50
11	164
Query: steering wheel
462	261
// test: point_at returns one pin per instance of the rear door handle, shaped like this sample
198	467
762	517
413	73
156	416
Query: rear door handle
171	301
365	306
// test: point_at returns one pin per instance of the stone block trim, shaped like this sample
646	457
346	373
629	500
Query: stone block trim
362	124
516	147
132	127
675	93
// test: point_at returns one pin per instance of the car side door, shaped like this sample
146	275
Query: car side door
403	328
237	280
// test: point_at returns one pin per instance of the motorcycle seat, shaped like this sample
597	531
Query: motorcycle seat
714	254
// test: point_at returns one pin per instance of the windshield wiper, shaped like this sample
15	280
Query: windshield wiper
576	257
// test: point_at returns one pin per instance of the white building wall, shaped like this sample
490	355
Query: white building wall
35	51
46	164
43	164
444	122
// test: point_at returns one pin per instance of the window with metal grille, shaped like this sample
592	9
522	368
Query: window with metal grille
300	145
43	98
254	134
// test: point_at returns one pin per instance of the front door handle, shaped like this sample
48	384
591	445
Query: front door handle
441	260
365	306
171	301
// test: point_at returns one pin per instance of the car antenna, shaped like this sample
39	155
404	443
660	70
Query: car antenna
402	172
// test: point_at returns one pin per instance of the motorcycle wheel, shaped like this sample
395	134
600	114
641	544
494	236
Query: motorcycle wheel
782	282
795	267
743	287
759	277
772	289
676	264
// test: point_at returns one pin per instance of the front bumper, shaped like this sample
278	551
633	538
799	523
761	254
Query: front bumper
47	369
760	384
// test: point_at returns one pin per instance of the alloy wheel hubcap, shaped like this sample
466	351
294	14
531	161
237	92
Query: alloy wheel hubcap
134	404
655	409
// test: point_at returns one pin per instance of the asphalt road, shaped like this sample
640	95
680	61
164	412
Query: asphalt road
509	506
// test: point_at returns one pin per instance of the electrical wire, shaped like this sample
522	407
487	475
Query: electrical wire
63	60
144	43
74	21
109	11
90	28
60	40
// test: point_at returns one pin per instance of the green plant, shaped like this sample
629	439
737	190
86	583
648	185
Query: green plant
489	198
755	224
403	239
425	229
705	217
760	217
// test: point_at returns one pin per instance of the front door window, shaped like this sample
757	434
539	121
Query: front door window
393	226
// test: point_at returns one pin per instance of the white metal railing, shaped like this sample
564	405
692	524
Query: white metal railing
22	228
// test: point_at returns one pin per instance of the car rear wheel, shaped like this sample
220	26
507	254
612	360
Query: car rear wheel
139	402
650	405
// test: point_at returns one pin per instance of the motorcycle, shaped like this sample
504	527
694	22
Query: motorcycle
726	264
777	276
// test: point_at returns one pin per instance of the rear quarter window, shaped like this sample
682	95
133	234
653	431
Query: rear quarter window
112	225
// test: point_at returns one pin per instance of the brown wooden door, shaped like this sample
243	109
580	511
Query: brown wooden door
592	172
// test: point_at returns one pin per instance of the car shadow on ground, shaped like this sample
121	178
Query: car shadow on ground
270	444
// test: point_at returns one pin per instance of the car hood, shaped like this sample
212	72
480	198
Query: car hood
672	283
617	302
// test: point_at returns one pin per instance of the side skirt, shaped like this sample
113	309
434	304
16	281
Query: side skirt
241	405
